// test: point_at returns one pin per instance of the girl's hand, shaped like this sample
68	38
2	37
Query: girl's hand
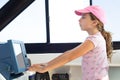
38	68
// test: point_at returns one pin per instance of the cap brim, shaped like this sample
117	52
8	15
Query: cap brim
80	12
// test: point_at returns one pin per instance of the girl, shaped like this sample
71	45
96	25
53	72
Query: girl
95	49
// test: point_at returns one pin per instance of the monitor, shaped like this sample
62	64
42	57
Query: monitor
13	58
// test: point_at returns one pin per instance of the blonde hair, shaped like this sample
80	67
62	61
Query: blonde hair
106	35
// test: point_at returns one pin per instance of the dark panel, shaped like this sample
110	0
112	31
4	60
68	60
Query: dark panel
11	10
56	47
49	48
116	45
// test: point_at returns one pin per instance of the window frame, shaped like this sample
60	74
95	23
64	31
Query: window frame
38	48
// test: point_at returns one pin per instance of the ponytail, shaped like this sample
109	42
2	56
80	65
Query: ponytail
108	39
106	35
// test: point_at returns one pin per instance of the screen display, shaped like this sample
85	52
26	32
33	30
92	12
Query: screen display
19	55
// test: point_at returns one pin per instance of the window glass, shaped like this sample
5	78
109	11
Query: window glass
29	26
64	25
112	11
3	2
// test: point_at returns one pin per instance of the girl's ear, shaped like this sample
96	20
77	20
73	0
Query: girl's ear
95	22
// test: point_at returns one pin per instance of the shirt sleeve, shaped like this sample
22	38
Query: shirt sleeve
93	39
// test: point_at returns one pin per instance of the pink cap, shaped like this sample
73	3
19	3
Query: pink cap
95	10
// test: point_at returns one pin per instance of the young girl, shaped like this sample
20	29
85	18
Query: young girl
96	49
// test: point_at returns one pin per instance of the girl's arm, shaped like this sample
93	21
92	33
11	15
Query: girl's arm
64	58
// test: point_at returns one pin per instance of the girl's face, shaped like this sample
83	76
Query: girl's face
86	23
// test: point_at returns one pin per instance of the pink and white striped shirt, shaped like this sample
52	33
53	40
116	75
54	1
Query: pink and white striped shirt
95	63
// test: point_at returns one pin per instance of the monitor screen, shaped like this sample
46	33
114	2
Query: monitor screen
19	55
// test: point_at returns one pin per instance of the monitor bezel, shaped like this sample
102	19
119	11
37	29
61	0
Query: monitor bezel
15	68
